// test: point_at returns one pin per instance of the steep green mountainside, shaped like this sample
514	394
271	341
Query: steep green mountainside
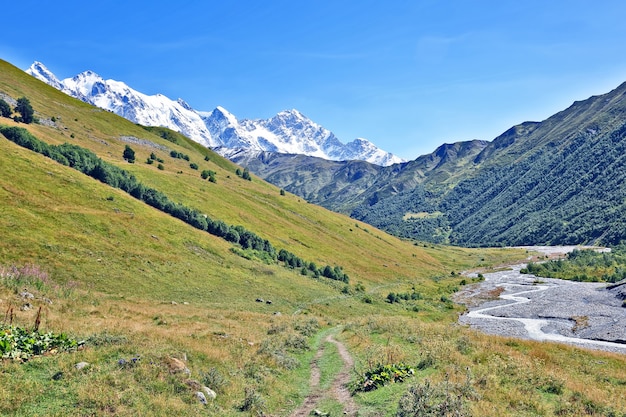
163	310
311	232
559	181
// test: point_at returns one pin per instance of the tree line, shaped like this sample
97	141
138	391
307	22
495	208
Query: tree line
90	164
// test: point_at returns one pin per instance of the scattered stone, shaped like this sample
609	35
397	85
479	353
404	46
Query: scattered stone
174	303
320	413
81	365
268	302
27	295
27	307
278	313
209	393
259	300
57	376
177	366
193	384
186	303
47	300
201	397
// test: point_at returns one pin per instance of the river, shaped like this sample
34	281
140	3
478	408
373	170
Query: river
512	304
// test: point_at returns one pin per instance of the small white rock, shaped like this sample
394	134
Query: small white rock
200	396
209	393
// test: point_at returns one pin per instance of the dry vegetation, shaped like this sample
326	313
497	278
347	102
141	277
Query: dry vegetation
143	290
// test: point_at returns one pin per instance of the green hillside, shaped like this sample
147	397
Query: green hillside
146	291
559	181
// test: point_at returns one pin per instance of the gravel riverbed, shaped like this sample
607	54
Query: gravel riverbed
512	304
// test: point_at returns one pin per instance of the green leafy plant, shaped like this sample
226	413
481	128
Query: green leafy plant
382	375
22	344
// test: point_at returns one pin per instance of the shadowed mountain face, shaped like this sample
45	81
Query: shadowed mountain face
560	181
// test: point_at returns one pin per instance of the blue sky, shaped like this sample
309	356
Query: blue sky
407	75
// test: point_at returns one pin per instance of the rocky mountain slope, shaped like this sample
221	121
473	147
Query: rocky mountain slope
287	132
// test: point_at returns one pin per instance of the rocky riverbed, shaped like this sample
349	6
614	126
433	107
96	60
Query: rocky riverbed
512	304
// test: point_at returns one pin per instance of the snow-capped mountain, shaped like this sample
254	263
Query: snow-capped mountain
287	132
156	110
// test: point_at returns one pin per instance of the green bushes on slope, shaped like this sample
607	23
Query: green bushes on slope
90	164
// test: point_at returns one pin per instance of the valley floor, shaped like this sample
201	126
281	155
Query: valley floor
511	304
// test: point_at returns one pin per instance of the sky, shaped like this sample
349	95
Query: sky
406	75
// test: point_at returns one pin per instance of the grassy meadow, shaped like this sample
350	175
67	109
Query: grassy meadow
145	291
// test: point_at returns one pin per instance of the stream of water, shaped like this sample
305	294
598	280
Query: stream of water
550	310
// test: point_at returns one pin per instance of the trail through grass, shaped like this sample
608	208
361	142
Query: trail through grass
330	373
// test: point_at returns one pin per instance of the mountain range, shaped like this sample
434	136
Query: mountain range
559	181
287	132
166	311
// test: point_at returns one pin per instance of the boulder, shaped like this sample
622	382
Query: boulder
27	295
209	393
200	396
176	366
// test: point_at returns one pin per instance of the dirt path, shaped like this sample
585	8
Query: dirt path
338	389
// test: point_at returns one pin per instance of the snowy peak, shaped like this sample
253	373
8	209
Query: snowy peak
116	96
84	85
289	131
39	71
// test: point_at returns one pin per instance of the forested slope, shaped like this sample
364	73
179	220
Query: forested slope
560	181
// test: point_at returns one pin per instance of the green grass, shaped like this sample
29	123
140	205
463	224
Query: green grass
330	365
130	280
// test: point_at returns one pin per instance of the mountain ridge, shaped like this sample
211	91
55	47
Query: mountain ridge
287	132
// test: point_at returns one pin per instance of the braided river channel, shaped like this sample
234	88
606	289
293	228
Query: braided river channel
512	304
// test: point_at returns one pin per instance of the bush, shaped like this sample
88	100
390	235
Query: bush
214	380
21	344
382	375
193	165
5	109
252	402
26	111
129	154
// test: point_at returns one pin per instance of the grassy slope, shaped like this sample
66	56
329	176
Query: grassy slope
130	262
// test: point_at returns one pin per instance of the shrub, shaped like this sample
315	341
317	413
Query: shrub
21	344
252	402
193	165
5	109
26	111
431	400
214	380
129	154
382	375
